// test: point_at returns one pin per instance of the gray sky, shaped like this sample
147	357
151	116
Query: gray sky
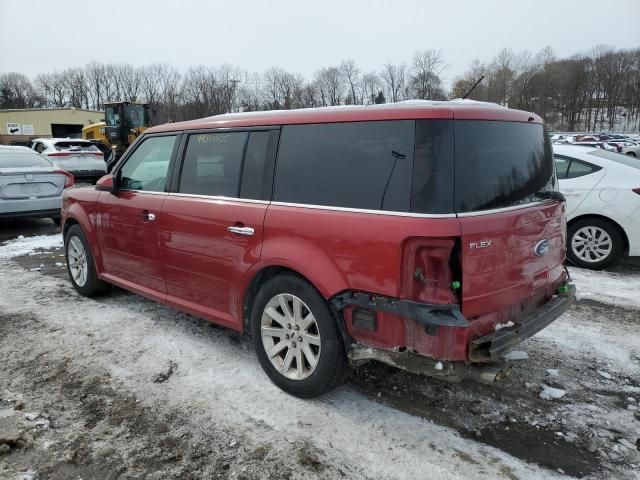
300	36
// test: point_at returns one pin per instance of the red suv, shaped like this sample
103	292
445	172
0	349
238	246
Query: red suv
405	233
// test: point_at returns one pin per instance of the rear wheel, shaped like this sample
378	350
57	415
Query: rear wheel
296	337
594	243
80	266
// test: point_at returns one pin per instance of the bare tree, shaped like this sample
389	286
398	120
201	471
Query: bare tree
425	79
394	77
331	86
351	74
16	91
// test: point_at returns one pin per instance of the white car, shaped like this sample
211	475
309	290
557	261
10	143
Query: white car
79	157
602	189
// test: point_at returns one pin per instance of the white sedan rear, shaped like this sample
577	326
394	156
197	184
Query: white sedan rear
602	189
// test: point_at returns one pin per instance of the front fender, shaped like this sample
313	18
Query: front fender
84	215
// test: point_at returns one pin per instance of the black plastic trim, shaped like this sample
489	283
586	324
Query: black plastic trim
428	314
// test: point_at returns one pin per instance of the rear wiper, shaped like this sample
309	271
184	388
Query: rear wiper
550	195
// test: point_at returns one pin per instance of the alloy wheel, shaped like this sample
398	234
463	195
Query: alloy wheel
290	336
591	244
77	258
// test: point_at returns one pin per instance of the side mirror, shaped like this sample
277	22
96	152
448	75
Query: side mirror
106	184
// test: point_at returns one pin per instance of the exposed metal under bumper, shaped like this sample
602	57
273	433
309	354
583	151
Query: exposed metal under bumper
420	365
491	347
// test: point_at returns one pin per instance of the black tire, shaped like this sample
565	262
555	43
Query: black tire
331	367
617	243
93	285
632	154
56	220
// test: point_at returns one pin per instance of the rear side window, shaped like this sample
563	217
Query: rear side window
500	164
432	185
363	165
212	164
571	168
257	169
22	160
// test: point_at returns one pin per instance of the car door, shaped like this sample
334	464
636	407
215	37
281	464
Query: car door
576	178
127	226
211	227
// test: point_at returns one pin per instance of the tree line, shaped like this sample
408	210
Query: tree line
595	90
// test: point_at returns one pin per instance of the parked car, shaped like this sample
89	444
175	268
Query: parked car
84	160
339	234
602	189
30	185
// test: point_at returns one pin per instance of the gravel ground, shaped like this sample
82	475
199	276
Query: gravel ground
121	387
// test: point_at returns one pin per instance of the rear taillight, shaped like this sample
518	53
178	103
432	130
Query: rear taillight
69	180
636	190
428	271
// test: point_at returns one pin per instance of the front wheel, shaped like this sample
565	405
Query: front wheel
80	265
594	243
296	337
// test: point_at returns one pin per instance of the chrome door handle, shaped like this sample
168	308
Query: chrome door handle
148	216
242	230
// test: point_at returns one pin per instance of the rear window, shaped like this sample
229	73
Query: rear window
500	164
617	157
364	165
20	160
69	146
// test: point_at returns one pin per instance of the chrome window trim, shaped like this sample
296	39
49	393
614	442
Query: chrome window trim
500	210
362	210
142	191
218	198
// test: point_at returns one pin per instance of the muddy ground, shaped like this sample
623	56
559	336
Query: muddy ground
122	388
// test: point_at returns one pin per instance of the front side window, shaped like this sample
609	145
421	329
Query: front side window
364	165
500	164
212	163
147	167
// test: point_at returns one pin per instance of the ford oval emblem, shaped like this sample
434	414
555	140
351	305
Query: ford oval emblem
542	247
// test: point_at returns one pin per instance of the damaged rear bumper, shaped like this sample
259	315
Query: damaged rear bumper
490	347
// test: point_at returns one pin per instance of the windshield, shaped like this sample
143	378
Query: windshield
134	115
500	164
22	159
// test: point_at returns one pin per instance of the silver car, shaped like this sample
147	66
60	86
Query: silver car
30	185
79	157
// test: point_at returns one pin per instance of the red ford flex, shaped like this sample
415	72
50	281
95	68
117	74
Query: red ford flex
429	236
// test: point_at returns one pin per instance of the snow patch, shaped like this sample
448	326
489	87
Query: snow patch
25	245
500	326
550	393
515	355
607	287
604	374
438	366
